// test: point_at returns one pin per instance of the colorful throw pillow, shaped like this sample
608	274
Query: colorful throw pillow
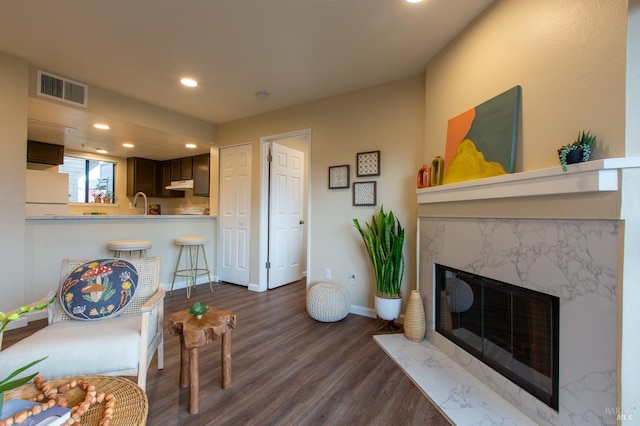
99	289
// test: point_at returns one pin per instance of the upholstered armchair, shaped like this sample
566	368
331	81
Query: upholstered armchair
110	343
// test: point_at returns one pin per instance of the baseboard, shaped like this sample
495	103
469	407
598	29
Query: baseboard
362	311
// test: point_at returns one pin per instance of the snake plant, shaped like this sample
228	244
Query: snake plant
383	239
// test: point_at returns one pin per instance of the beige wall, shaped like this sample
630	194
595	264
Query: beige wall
568	57
388	118
17	82
117	107
13	140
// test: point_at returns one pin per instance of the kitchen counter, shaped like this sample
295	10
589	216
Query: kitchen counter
51	238
118	216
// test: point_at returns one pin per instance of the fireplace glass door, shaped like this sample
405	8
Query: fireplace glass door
512	329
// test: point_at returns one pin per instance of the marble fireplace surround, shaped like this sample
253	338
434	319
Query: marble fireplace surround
548	231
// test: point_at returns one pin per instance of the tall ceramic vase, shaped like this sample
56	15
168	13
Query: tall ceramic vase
414	320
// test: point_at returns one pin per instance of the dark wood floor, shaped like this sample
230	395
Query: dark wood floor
288	369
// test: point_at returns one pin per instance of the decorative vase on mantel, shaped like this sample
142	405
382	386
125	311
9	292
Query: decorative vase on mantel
414	318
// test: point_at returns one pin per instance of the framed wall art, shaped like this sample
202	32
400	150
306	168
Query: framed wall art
339	176
364	193
368	163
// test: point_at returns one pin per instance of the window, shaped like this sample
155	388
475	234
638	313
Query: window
90	181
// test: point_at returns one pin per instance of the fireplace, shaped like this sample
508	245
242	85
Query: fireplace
563	234
512	329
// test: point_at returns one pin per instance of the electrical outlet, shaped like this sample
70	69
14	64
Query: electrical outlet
327	274
352	278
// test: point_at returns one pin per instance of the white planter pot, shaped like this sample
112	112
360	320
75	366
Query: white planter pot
388	309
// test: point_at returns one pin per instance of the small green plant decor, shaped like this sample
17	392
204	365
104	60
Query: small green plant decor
11	382
198	309
577	151
384	239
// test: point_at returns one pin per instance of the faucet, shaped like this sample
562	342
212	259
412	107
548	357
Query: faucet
146	204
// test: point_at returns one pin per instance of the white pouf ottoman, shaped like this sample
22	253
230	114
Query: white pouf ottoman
328	302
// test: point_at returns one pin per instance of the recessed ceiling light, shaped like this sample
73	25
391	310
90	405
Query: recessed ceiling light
128	145
189	82
191	145
101	126
101	151
414	1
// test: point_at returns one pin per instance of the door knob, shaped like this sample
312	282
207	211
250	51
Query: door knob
302	222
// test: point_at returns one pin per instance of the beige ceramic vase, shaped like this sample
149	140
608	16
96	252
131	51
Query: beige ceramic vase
414	320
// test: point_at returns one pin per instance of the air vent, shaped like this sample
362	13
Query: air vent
62	89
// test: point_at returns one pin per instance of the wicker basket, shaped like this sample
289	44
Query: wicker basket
131	401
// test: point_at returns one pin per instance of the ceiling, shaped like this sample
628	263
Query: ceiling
296	50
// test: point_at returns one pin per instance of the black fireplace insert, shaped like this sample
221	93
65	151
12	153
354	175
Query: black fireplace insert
512	329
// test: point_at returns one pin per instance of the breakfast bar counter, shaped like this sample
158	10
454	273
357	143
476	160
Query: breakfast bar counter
119	217
49	239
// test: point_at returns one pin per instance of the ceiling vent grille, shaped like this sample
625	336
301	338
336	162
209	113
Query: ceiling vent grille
62	89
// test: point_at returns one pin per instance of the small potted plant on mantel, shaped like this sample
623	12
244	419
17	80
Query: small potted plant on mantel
577	151
384	239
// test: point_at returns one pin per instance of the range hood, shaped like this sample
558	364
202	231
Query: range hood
181	185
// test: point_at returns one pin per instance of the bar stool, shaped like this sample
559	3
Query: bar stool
191	270
121	246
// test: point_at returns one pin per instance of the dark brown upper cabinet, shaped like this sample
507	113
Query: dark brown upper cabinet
142	176
201	175
164	180
45	153
182	168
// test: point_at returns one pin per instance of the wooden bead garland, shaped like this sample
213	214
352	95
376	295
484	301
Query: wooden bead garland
51	396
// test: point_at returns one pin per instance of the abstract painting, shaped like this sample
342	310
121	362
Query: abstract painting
481	141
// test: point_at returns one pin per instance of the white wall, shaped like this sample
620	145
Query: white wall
13	141
629	296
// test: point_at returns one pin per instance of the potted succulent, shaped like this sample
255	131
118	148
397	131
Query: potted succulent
198	309
384	239
108	197
577	151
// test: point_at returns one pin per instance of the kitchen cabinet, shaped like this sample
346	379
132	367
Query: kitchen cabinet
152	177
201	175
165	170
45	153
182	168
142	176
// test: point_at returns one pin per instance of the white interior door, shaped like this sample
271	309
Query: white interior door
286	204
234	214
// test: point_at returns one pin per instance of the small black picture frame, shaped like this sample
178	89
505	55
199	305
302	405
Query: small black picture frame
368	163
339	176
364	193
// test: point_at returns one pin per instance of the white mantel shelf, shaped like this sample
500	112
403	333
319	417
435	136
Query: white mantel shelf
592	176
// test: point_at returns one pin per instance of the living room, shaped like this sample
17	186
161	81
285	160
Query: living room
577	66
